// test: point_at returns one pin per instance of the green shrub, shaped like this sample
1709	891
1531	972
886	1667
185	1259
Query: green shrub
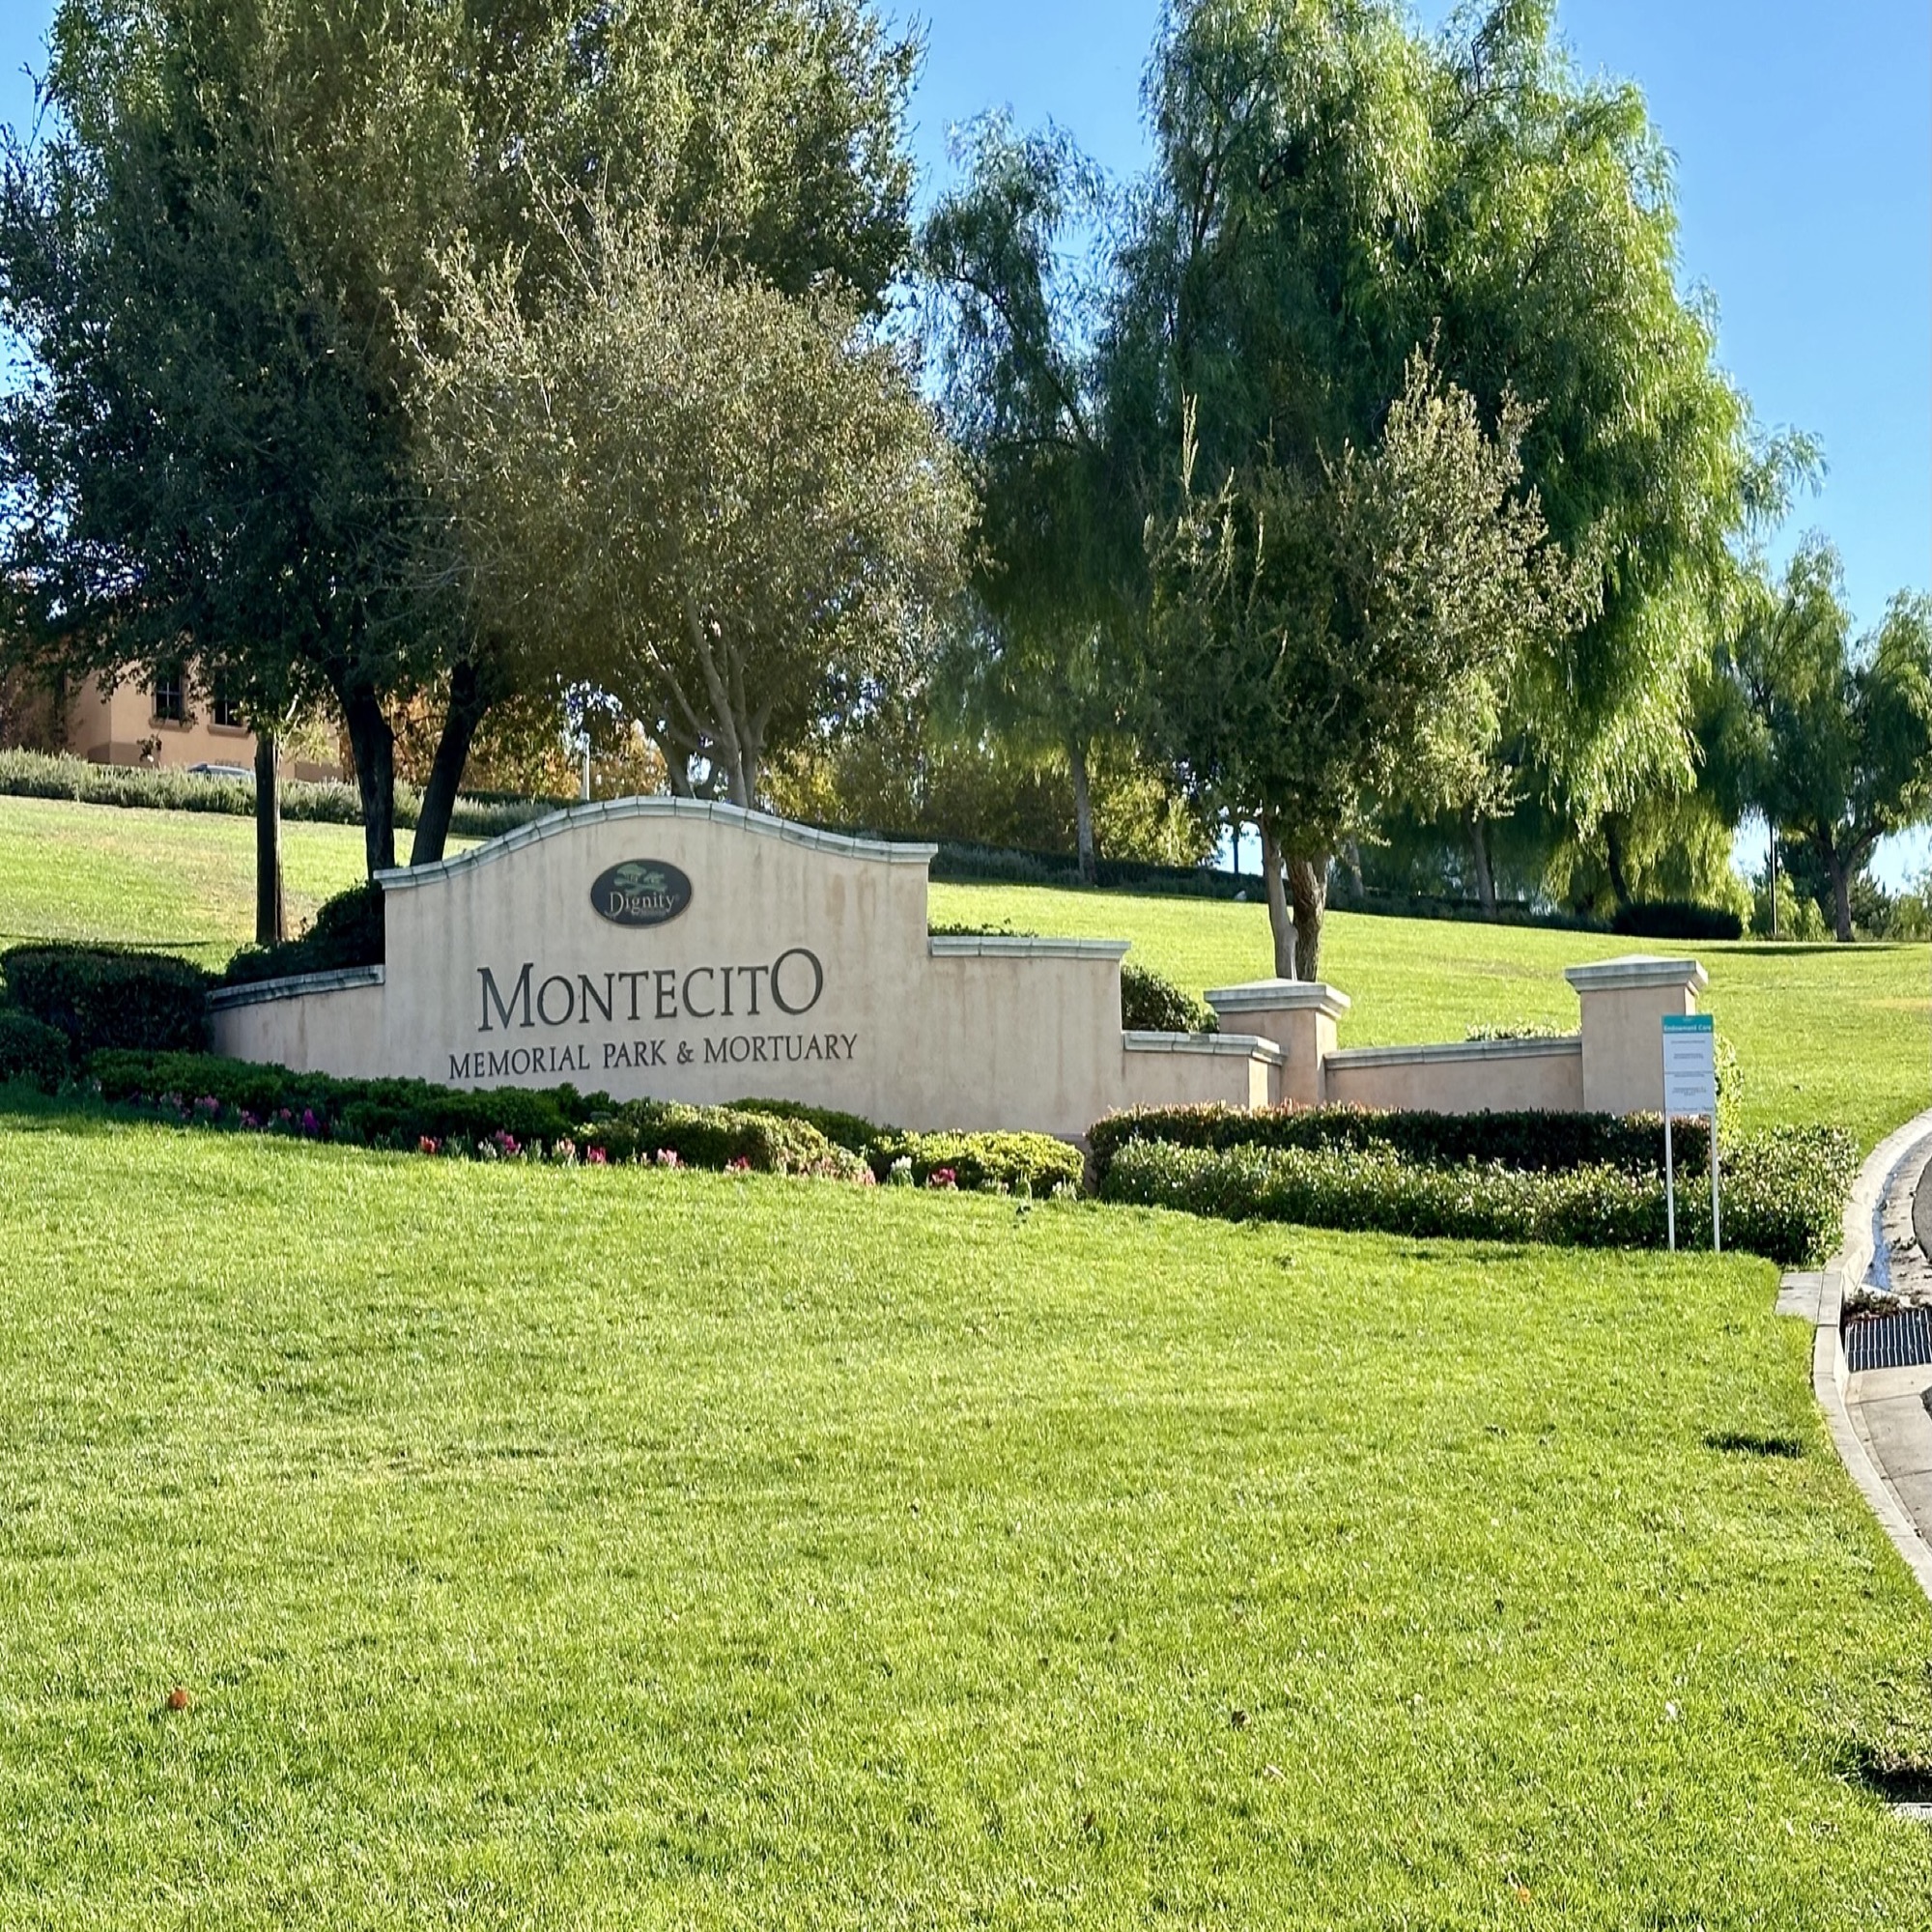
406	1112
1022	1163
1529	1143
717	1136
1152	1002
32	1052
1783	1194
347	931
1677	918
851	1131
104	998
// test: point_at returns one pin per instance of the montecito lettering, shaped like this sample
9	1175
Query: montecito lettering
791	985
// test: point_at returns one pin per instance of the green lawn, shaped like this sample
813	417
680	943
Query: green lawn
601	1549
180	879
1824	1033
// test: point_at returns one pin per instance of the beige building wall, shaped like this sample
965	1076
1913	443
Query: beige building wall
119	727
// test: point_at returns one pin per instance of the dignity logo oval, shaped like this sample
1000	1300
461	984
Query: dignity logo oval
641	892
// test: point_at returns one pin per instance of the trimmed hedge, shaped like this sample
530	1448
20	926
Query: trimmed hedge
347	931
405	1113
1152	1002
30	1051
1784	1194
1016	1162
1677	918
331	802
104	998
1524	1143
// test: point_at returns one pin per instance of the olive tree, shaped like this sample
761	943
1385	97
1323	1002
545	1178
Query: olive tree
723	505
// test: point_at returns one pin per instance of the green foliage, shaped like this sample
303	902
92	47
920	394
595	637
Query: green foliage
851	1131
1524	1142
32	1051
585	452
1830	740
1016	1163
1783	1194
100	999
404	1114
328	802
348	931
1675	919
1152	1002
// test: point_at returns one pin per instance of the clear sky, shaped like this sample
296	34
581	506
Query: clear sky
1803	132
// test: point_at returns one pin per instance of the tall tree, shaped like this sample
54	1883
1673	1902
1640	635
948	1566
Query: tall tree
1057	566
723	505
1830	740
1332	190
1309	635
373	144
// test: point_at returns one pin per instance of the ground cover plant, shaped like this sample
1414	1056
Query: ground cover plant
552	1545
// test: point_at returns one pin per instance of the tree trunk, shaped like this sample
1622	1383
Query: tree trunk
1772	874
1280	924
1083	812
1614	852
466	708
373	747
1841	895
271	926
1308	887
1351	854
1479	848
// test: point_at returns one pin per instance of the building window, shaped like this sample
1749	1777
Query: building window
171	695
226	707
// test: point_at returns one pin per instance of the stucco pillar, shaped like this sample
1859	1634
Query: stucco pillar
1624	1002
1299	1016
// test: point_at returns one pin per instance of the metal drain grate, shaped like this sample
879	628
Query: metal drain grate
1901	1341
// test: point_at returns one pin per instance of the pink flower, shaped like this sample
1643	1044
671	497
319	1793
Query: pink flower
742	1165
942	1176
427	1144
667	1158
310	1124
595	1158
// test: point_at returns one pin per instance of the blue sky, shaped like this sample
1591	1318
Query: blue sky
1803	132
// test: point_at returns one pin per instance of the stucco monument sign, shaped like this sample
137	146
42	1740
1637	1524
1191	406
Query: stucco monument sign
672	949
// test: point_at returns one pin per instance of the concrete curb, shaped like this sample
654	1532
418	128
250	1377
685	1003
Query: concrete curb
1830	1375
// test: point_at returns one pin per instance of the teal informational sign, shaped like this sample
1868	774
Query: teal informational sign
1689	1087
1689	1064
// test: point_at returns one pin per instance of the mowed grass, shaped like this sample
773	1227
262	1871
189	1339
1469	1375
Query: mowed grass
1827	1033
545	1547
184	880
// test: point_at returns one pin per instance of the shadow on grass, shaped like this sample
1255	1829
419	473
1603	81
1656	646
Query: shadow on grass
1897	1780
1743	1442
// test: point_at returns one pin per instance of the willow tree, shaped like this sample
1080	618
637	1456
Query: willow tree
1010	257
723	505
1333	189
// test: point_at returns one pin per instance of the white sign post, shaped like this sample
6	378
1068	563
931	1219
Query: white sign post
1689	1087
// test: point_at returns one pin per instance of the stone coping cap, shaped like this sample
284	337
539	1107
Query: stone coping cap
601	810
1636	969
1568	1044
1017	945
1279	996
294	986
1230	1045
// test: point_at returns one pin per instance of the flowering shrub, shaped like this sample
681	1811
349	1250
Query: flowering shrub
1016	1163
899	1174
942	1176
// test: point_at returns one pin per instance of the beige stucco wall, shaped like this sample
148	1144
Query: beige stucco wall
500	970
1624	1004
1479	1076
1198	1069
337	1031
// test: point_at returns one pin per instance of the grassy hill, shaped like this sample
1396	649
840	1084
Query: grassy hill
1824	1033
548	1546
